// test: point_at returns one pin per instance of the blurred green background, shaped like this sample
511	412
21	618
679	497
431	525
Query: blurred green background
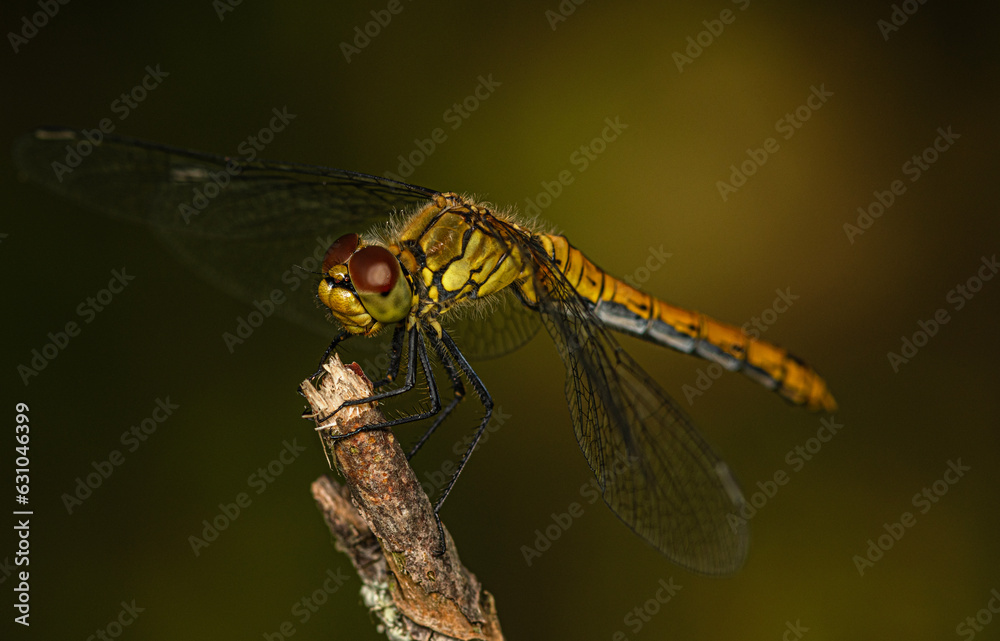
654	187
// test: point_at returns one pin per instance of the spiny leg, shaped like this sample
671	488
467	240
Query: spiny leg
395	355
457	388
414	351
487	401
417	351
344	334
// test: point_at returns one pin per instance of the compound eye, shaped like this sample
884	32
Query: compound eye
340	251
374	270
378	279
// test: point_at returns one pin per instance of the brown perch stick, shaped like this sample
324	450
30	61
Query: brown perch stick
389	532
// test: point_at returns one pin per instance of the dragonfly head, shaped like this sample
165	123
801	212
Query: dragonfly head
363	285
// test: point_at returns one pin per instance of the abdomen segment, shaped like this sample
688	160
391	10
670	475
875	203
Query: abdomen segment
626	309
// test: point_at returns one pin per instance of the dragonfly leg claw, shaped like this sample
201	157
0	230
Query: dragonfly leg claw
442	546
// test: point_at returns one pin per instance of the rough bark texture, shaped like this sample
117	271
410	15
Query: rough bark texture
387	526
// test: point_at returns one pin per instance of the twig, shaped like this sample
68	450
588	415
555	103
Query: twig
389	532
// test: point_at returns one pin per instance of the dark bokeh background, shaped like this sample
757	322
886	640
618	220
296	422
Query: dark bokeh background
655	186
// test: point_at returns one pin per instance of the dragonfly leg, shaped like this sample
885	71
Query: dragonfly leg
458	390
319	373
395	355
417	352
487	401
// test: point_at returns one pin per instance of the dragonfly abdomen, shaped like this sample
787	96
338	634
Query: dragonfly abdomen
624	308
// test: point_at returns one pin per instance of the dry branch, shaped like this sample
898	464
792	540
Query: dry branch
387	527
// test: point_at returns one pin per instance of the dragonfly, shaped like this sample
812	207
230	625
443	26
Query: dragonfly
454	279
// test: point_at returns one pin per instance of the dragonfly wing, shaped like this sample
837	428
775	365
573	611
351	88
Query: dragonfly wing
493	327
656	471
248	227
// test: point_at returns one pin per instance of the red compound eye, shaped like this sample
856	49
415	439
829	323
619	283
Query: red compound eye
379	282
340	251
373	270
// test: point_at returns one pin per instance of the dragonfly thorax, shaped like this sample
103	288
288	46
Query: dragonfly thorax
364	286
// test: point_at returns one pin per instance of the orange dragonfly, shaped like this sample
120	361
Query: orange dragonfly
448	266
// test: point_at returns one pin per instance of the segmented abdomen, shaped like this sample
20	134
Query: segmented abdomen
624	308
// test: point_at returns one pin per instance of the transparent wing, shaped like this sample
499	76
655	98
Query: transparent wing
247	227
493	327
656	471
